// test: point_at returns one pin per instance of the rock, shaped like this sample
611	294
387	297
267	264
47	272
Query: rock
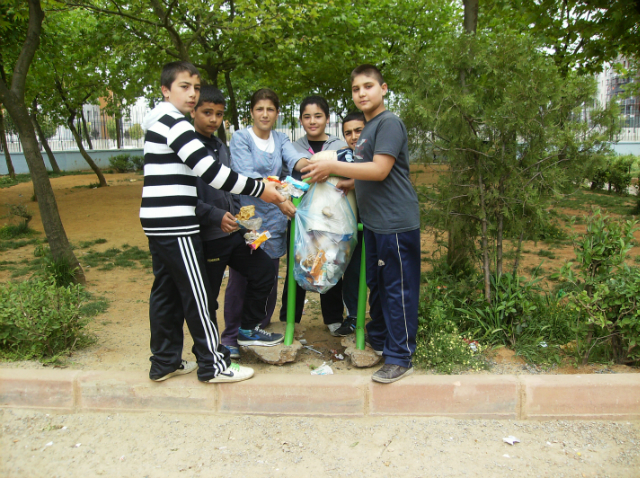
276	355
359	358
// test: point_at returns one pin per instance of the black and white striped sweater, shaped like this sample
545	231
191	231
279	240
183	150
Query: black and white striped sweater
173	157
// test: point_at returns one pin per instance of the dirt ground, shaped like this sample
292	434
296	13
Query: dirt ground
123	332
35	444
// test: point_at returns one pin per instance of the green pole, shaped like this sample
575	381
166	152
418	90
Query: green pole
291	283
362	298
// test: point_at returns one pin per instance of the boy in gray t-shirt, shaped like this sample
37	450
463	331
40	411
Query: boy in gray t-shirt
390	213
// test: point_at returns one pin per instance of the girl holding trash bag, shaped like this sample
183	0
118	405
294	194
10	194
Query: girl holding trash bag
258	152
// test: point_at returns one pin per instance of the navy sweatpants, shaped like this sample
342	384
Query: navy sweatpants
393	278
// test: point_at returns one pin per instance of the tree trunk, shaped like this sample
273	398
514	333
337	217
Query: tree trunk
516	264
232	100
471	8
84	127
34	119
13	98
459	244
5	148
83	152
499	246
118	130
485	246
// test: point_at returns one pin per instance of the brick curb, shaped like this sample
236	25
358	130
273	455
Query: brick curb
460	396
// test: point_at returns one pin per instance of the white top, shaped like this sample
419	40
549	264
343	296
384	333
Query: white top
266	145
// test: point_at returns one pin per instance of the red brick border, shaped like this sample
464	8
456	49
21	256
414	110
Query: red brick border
460	396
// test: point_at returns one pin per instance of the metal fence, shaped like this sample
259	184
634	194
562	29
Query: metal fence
99	131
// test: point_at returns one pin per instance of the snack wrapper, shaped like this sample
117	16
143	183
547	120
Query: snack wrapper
263	236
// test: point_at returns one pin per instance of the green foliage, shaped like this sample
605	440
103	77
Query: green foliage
439	343
605	292
123	163
39	320
614	171
511	311
507	121
135	132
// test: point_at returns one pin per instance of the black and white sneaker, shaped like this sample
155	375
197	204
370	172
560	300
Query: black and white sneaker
347	328
184	368
235	373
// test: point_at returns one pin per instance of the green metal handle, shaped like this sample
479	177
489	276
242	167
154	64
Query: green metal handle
362	298
291	283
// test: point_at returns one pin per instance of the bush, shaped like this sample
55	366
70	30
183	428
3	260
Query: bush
124	163
39	320
136	131
120	163
137	162
614	171
606	291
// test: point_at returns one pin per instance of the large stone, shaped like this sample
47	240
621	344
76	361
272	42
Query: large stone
359	358
276	355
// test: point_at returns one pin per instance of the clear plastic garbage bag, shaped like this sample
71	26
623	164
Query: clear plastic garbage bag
326	234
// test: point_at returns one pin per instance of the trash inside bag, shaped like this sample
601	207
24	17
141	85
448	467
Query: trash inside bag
326	234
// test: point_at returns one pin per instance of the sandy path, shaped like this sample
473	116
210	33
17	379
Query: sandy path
36	444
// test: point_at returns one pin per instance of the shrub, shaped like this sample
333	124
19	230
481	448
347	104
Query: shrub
605	291
136	131
137	162
39	320
120	163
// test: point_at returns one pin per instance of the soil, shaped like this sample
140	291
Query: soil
123	332
36	444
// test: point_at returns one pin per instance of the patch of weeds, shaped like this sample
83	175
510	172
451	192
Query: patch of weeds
12	245
545	253
86	244
636	259
94	306
8	181
87	186
39	320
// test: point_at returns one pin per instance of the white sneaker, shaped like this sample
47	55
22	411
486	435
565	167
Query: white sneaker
333	327
235	373
184	368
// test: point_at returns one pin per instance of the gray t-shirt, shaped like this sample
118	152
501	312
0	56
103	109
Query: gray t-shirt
388	206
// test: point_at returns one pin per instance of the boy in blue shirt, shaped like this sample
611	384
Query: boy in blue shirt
390	213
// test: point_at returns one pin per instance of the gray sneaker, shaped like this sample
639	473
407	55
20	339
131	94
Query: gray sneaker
184	368
390	373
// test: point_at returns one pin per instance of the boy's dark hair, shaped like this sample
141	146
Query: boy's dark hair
368	70
265	94
353	116
209	94
315	100
171	70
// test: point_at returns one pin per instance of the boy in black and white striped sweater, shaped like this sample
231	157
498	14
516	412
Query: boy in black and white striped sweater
173	158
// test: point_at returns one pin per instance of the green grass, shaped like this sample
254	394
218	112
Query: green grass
548	254
7	181
584	199
115	257
86	244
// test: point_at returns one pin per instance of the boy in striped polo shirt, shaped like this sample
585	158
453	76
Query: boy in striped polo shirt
173	158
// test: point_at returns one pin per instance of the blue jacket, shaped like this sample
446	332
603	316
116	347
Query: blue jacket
247	159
